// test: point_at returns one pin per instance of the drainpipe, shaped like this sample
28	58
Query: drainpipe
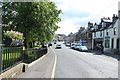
0	61
103	40
0	49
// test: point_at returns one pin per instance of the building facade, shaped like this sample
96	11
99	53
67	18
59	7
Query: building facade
98	33
86	36
60	37
112	37
78	35
0	36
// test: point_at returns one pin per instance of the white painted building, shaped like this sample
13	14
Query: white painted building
97	37
98	33
112	37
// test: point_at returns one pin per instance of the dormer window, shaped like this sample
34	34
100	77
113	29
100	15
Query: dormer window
103	24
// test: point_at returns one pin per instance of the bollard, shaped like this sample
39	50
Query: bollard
23	69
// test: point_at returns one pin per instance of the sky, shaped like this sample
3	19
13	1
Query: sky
77	13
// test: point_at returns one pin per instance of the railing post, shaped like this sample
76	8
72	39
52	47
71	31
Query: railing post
23	53
0	61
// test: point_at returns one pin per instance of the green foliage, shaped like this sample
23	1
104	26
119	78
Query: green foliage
37	47
37	20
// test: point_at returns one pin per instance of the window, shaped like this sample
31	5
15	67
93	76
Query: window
112	43
107	32
95	34
118	43
107	44
100	33
90	35
114	31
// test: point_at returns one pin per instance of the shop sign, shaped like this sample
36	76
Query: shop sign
107	37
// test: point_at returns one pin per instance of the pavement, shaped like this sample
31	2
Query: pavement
116	56
42	68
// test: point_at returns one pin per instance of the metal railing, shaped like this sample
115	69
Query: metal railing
10	57
33	54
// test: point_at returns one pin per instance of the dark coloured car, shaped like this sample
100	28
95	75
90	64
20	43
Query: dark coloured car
50	44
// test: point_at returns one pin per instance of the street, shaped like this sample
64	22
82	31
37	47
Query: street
37	39
75	64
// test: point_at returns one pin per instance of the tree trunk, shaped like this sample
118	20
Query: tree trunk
30	43
26	44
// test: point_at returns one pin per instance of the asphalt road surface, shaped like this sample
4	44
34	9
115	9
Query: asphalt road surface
75	64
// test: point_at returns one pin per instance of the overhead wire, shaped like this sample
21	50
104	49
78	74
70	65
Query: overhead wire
109	6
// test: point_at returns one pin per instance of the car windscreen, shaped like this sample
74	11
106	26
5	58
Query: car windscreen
78	45
58	45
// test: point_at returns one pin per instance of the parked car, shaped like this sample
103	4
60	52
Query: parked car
72	45
50	44
54	42
83	48
68	44
58	46
77	46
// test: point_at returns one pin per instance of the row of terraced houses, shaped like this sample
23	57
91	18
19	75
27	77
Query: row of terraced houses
105	33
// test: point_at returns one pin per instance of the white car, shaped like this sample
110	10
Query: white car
83	48
68	44
72	45
58	46
77	46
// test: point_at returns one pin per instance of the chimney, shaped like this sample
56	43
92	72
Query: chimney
119	9
119	14
108	18
90	25
114	18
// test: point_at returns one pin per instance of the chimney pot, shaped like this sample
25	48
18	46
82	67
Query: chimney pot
113	15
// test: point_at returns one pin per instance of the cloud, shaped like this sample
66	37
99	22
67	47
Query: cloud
77	13
67	27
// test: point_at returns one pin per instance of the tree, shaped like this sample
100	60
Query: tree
37	20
